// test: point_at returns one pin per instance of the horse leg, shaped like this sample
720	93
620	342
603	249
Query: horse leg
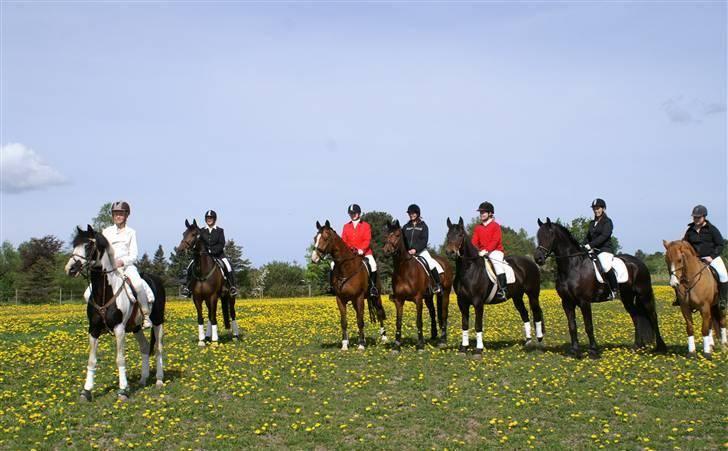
628	301
158	332
433	317
213	319
722	324
90	369
521	307
360	322
651	310
120	334
586	312
707	339
479	330
399	304
535	306
443	304
464	324
570	311
342	319
381	315
420	335
233	320
688	315
200	323
144	351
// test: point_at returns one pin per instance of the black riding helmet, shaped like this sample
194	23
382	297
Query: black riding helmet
598	203
354	208
414	208
700	210
211	214
486	207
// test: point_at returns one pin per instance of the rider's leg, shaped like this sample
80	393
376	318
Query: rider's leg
435	270
373	277
230	276
605	259
720	268
498	260
143	291
186	289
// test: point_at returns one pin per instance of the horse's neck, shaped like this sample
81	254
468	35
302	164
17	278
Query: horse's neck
468	249
566	246
340	252
203	259
692	262
401	256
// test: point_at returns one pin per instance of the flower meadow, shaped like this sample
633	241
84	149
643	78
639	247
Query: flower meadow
287	384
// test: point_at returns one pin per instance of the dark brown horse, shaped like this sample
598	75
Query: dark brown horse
577	286
351	283
474	287
209	286
697	290
411	282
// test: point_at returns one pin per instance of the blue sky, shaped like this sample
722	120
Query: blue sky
278	115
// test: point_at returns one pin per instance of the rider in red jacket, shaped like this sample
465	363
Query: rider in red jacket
357	234
487	237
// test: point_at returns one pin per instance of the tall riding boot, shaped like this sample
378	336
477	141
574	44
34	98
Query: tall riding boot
723	295
231	283
502	285
186	289
373	279
436	278
613	285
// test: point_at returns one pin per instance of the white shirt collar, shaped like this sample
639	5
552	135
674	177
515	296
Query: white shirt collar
356	223
488	222
210	229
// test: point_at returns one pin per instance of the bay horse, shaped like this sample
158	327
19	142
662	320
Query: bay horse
696	289
473	287
208	286
111	309
577	286
351	283
411	282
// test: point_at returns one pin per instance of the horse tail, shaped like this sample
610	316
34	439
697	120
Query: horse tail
152	342
645	303
226	310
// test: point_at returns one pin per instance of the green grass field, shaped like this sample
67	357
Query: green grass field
287	385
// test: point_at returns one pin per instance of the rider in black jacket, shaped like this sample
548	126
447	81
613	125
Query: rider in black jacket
214	239
599	239
416	236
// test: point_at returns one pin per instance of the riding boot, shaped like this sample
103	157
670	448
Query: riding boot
373	279
231	283
613	285
186	289
436	279
502	286
723	295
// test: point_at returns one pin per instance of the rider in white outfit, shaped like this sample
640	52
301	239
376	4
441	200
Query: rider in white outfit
122	239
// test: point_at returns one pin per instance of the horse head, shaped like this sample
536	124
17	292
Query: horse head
456	236
190	236
322	241
394	237
89	247
676	254
545	240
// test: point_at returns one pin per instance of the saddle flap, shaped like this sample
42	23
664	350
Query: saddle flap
490	269
620	270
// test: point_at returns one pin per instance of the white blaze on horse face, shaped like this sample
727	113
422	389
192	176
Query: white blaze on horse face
77	256
673	278
315	257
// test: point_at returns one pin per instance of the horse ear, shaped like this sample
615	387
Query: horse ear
318	225
89	229
539	222
79	229
396	224
187	223
449	223
327	224
548	220
194	222
461	223
665	243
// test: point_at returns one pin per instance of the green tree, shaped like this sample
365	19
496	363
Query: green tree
38	268
317	274
379	220
103	219
240	265
9	267
159	264
144	264
283	279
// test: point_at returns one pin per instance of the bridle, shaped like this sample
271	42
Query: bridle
322	253
684	279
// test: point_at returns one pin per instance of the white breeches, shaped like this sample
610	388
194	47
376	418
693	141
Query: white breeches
605	258
226	262
719	266
431	262
370	259
144	291
498	260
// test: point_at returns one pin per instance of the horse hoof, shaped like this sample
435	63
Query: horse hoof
420	349
159	383
691	355
208	339
463	350
360	347
708	356
594	355
236	338
442	344
142	382
201	343
384	339
214	344
122	395
395	351
85	396
344	348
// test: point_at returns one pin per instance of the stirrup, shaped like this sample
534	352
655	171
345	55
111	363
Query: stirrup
233	291
437	288
186	292
373	291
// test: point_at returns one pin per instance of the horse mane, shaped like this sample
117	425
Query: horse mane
566	232
684	246
81	237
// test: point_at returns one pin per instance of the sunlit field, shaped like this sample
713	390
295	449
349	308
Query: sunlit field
286	384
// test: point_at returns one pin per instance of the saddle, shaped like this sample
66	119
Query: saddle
620	270
715	274
490	269
430	280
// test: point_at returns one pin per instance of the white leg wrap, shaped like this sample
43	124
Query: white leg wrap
691	344
479	340
527	329
122	378
214	332
235	327
539	329
159	333
344	345
723	335
466	339
382	331
201	332
712	342
707	343
90	373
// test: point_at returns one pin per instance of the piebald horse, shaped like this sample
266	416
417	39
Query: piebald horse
351	283
696	289
111	309
209	286
411	282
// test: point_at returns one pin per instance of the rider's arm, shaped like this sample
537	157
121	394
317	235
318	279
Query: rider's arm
421	243
131	258
218	246
718	240
602	238
366	237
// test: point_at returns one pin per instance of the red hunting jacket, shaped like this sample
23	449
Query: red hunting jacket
358	237
488	237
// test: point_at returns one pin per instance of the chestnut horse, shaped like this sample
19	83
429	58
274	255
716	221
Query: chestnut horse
577	286
696	289
111	309
411	282
351	283
473	286
209	286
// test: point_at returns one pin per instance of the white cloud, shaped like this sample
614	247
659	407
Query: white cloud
21	169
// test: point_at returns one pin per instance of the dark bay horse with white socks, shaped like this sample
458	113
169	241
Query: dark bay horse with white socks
577	286
111	309
351	283
411	282
474	287
209	286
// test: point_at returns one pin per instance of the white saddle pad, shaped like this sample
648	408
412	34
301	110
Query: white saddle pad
510	275
620	269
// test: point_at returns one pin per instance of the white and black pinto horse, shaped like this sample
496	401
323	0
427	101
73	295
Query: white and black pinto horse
111	308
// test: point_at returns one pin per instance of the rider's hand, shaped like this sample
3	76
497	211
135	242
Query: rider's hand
412	252
360	252
708	260
587	247
119	263
483	253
